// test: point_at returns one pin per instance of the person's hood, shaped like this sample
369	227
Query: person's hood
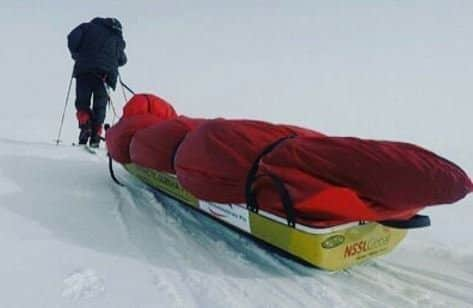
109	22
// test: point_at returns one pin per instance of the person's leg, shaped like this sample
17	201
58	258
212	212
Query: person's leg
82	103
99	111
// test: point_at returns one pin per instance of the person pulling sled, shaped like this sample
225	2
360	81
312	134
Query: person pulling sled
98	49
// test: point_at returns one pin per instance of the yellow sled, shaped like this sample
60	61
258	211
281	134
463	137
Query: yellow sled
333	248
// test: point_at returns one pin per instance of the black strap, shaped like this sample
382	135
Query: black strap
110	162
110	168
251	177
285	198
251	201
417	221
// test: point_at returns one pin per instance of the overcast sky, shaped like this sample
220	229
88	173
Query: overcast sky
381	69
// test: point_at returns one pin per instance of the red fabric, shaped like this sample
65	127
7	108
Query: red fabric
331	180
83	117
141	111
328	207
119	136
214	160
148	104
398	175
154	147
320	203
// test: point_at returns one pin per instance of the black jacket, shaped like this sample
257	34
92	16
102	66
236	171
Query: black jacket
98	47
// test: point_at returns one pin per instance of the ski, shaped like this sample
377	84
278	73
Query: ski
85	147
90	150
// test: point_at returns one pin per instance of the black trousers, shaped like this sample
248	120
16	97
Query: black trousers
89	84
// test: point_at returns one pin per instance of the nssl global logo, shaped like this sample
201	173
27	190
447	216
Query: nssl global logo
366	245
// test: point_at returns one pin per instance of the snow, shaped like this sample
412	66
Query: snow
73	238
70	237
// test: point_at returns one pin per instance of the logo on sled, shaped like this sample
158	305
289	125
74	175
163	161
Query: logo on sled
232	214
364	246
333	241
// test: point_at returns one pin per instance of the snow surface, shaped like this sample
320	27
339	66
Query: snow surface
73	238
70	237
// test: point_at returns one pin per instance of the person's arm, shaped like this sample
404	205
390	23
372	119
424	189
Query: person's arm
122	59
74	40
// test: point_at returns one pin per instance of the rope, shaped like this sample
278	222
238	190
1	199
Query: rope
124	94
124	84
110	102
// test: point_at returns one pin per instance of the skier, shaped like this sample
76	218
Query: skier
98	49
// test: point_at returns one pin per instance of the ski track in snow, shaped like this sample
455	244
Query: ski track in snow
195	262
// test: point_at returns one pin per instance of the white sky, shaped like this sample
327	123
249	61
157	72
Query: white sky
381	69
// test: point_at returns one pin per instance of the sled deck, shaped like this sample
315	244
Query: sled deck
334	248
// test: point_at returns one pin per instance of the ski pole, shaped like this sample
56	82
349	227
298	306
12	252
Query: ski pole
58	140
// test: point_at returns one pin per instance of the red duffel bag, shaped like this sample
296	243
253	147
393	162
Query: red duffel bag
214	160
154	147
323	207
338	179
396	174
141	111
329	180
141	104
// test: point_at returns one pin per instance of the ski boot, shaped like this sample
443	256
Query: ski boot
85	134
95	138
85	126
